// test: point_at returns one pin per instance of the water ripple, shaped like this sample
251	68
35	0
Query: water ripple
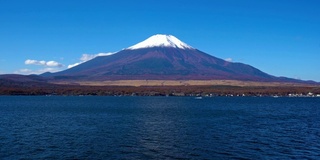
159	128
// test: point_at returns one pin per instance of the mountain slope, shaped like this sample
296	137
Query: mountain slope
162	57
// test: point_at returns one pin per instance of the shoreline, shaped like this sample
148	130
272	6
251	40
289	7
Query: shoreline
203	90
167	83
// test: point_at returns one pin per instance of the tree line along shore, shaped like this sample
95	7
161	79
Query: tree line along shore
203	90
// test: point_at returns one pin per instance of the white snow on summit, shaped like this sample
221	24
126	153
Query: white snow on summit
161	40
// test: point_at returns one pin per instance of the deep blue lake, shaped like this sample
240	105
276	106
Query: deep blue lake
57	127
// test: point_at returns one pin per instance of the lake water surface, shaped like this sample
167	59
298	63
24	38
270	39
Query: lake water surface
57	127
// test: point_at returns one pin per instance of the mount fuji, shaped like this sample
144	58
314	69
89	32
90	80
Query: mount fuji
162	57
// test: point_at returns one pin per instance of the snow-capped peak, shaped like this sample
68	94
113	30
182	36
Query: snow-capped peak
161	40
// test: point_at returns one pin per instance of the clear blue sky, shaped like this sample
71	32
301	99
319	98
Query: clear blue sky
280	37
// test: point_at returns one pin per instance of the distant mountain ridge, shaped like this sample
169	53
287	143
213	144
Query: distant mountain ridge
163	57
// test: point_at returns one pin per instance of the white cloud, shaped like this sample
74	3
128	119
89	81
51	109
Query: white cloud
39	71
228	59
29	61
43	63
46	66
73	65
53	64
23	71
48	70
87	57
